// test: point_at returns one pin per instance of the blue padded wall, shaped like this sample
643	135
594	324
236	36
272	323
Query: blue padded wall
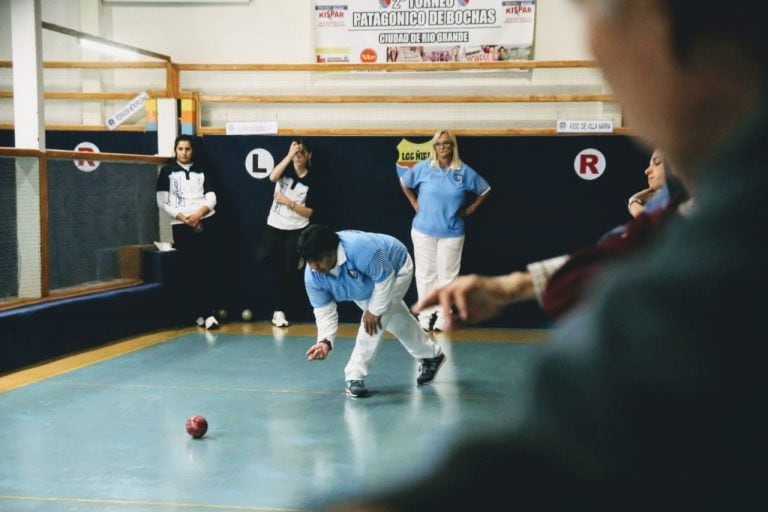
538	208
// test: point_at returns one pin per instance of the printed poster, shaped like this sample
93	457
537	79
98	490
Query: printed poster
376	31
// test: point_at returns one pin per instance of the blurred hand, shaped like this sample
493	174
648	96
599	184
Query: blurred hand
295	148
281	198
474	298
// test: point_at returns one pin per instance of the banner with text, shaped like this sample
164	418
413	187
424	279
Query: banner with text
369	31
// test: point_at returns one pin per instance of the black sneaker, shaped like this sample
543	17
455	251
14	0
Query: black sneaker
428	369
356	388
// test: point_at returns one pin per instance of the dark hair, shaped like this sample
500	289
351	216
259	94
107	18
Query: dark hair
316	240
182	137
675	187
304	143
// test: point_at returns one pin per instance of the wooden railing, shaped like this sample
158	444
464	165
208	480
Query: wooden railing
175	88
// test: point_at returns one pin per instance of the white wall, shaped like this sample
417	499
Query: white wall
280	31
262	31
560	32
5	29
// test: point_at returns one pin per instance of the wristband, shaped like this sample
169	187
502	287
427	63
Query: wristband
633	201
330	347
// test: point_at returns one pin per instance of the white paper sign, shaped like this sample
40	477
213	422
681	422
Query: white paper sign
585	126
127	111
252	128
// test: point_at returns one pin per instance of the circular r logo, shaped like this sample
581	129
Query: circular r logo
86	165
589	164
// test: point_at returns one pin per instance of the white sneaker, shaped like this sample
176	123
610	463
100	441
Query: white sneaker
211	323
279	320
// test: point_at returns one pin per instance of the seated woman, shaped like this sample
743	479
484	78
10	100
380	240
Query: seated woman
657	194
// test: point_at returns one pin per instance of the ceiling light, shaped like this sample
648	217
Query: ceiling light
107	48
105	45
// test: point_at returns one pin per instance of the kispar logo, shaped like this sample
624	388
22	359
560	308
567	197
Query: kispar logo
368	56
331	14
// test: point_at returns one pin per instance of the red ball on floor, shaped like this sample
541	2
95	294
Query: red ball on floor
197	426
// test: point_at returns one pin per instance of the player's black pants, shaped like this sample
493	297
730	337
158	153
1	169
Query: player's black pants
199	264
278	249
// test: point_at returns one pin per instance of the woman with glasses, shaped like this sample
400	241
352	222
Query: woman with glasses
439	188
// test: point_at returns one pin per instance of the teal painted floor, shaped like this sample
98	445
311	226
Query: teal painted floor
283	435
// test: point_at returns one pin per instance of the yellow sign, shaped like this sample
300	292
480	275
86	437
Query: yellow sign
411	153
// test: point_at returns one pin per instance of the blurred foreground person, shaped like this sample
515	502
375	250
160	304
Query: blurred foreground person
648	396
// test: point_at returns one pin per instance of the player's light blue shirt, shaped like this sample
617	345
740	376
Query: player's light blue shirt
363	259
441	194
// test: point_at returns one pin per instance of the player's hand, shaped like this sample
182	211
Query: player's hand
295	148
318	351
193	220
371	322
474	298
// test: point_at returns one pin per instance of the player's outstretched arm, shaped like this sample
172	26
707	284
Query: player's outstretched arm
473	298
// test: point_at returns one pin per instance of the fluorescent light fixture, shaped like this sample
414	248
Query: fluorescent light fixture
108	49
176	1
105	45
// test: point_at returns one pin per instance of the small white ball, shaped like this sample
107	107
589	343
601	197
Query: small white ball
246	315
